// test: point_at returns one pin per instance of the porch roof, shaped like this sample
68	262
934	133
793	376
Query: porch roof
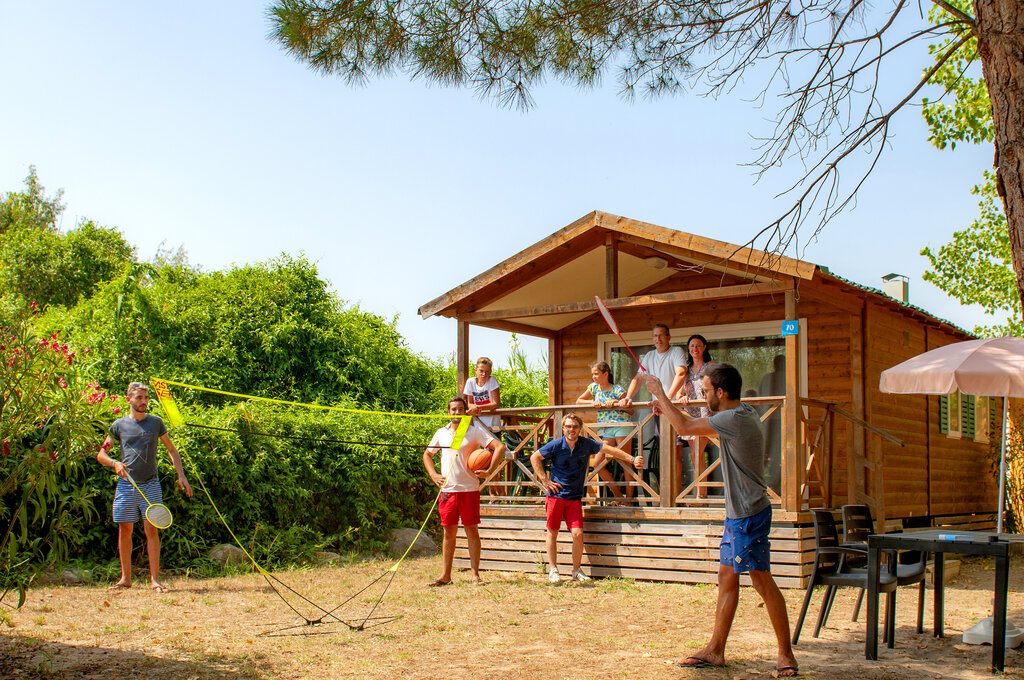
570	264
550	285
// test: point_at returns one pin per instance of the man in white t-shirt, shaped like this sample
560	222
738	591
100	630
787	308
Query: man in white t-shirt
666	362
460	488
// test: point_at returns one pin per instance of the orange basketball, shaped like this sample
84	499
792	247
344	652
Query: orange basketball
479	460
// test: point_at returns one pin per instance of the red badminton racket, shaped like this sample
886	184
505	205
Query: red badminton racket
615	329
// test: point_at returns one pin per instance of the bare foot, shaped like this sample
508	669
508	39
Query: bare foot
121	585
159	587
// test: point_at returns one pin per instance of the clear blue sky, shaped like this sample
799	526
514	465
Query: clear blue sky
180	123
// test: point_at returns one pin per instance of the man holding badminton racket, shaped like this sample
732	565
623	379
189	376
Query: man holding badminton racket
459	497
138	434
748	512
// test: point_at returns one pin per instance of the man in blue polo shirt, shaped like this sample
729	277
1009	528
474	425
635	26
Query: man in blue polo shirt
569	456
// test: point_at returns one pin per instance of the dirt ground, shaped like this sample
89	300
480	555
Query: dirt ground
515	626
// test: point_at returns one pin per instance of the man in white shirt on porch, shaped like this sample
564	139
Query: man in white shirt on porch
666	362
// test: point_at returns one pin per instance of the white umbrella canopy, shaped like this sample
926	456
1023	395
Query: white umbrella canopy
990	367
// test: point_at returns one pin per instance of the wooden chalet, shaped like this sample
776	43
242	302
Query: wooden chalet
833	437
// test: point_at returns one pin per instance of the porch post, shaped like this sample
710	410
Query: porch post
555	372
793	452
668	476
611	265
461	354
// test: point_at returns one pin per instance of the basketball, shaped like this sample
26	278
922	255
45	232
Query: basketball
479	460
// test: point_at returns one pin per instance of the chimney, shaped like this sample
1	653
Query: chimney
896	286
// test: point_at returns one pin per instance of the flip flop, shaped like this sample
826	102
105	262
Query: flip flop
437	583
696	662
160	588
786	672
119	586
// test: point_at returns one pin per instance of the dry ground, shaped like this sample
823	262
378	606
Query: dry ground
516	626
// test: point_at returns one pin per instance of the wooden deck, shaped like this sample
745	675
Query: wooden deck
651	544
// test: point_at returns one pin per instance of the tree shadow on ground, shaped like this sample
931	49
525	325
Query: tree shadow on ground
27	657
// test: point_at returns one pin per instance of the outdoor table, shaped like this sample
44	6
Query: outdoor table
938	542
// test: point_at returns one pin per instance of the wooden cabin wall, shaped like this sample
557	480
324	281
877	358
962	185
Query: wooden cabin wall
833	321
891	338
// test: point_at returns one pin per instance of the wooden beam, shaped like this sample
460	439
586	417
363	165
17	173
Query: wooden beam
461	354
718	293
521	328
555	370
611	266
715	250
695	260
793	462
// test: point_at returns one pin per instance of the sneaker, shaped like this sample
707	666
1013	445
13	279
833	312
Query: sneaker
553	576
579	576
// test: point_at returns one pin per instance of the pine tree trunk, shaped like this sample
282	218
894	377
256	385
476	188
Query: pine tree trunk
1001	45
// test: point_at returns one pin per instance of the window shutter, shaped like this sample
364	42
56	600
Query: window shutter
943	414
967	416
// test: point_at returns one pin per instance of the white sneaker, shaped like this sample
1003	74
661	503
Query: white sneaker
579	576
553	576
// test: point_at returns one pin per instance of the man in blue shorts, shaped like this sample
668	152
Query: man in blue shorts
460	487
748	512
138	434
570	459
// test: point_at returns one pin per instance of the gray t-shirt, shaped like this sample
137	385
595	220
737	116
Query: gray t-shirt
138	440
739	431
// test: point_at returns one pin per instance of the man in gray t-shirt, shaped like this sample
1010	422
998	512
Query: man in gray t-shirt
747	510
138	434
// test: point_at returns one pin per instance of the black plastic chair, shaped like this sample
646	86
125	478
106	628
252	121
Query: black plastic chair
832	571
857	526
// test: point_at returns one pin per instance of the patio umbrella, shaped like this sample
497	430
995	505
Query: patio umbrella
990	367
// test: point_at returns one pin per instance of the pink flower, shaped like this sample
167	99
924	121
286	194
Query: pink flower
53	456
42	449
117	409
33	306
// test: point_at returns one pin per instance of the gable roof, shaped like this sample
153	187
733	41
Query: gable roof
574	250
550	285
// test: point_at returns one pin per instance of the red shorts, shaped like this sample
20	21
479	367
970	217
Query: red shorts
559	508
459	504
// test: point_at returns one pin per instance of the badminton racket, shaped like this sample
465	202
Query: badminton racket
157	514
615	329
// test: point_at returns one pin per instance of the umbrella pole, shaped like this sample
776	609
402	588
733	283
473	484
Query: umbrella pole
1002	466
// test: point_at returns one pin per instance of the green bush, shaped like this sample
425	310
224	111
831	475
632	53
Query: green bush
287	495
272	329
51	421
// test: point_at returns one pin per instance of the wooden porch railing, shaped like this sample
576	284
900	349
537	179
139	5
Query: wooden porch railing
806	467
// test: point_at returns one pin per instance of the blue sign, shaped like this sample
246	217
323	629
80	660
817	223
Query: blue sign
790	328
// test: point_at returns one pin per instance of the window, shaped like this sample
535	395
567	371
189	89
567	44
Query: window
755	349
982	418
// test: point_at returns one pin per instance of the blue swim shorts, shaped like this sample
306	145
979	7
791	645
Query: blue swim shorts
129	505
745	544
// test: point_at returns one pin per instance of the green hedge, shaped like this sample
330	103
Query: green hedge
285	498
